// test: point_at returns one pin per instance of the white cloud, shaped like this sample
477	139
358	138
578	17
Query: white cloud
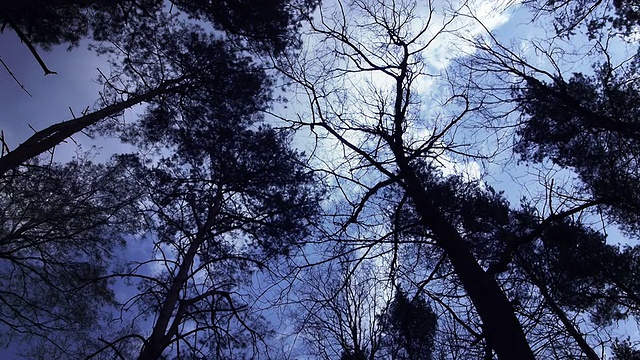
357	95
467	21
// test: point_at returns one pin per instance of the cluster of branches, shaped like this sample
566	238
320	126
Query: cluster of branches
412	261
347	310
219	198
150	42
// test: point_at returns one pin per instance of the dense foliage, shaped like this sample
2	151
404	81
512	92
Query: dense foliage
396	237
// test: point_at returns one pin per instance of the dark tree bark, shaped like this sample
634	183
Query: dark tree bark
46	139
394	156
502	329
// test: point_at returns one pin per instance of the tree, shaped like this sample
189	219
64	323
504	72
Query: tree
582	123
230	196
410	326
267	27
501	238
336	309
621	16
376	134
349	309
249	203
362	79
224	195
221	221
584	119
61	226
571	118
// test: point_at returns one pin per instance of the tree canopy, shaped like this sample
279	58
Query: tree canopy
338	180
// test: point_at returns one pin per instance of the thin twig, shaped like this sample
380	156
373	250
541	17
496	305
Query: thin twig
33	50
14	77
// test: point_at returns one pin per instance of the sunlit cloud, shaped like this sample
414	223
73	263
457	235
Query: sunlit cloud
356	92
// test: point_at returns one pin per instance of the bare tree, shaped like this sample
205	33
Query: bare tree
339	306
361	87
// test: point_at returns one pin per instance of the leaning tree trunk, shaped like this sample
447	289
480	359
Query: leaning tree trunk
502	329
52	136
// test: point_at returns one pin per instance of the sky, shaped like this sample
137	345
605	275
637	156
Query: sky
75	87
52	98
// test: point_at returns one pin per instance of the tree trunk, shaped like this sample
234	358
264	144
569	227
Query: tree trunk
160	339
555	308
501	327
48	138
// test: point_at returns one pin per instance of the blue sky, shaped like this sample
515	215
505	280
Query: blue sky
75	87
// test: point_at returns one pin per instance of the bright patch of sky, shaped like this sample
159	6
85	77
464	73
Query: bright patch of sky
469	21
355	90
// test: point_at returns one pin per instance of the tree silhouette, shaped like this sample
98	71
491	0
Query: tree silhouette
577	121
409	326
376	134
61	227
583	123
418	255
231	196
119	28
338	306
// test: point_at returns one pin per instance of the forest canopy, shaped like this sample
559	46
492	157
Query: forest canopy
335	180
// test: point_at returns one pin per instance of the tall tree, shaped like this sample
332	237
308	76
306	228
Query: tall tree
248	194
229	197
583	123
364	95
496	234
377	134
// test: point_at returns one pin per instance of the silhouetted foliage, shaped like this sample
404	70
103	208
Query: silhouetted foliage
409	327
584	273
230	196
622	16
589	124
158	48
379	128
219	196
60	226
624	350
271	25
